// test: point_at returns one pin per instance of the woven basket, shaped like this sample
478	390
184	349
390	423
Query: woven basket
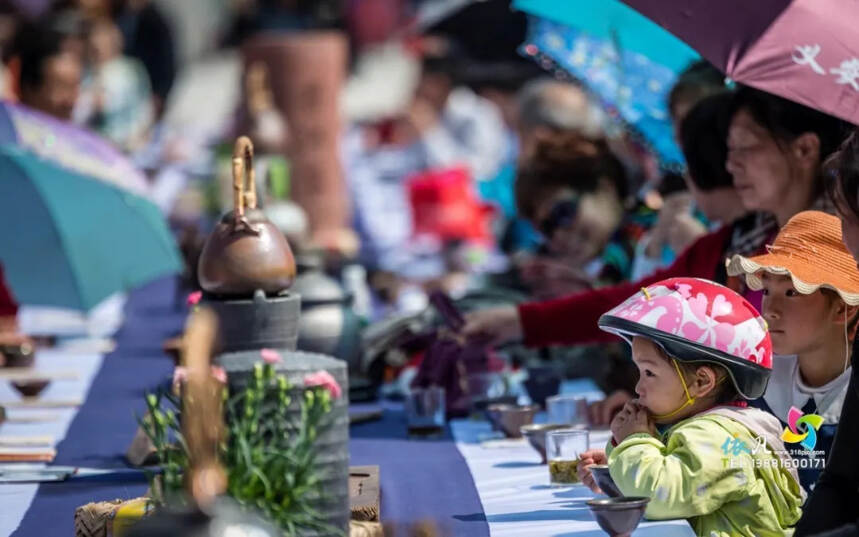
365	529
97	519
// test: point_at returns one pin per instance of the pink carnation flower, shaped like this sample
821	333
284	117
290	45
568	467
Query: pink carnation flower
219	374
180	375
194	298
324	379
270	356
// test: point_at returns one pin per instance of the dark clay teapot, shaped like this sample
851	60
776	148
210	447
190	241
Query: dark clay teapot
245	252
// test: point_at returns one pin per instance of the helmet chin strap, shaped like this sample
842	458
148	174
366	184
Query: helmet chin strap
689	399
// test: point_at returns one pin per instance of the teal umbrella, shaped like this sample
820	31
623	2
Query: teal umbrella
627	61
70	240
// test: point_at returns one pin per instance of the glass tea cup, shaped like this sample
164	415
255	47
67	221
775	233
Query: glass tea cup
563	448
567	409
425	411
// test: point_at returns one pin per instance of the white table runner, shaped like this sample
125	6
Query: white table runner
513	485
15	498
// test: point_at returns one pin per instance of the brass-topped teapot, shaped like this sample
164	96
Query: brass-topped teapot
245	252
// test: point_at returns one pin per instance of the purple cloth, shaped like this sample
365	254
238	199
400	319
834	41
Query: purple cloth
420	480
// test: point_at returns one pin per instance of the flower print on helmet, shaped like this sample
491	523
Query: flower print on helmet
696	320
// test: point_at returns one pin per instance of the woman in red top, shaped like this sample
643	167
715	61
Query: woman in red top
774	151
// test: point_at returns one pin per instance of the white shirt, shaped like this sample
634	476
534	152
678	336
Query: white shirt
786	388
471	132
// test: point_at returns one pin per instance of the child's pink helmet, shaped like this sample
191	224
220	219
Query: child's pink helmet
696	320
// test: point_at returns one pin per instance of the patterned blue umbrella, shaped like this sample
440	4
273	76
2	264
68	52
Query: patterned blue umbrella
628	62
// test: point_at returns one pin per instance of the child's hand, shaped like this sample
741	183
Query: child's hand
632	419
600	413
586	460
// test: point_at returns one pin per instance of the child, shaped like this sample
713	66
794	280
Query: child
810	284
689	442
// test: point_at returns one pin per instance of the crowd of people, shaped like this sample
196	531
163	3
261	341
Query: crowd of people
586	230
772	180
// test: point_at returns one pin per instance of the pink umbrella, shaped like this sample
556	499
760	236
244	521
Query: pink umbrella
803	50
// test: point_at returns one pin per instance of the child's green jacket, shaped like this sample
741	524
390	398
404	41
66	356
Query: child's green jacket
726	470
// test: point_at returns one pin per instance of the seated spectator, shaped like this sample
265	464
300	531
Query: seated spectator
676	226
573	191
452	124
789	182
672	444
810	311
831	510
544	108
50	71
115	98
548	108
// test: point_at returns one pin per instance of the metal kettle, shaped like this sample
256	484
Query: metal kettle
245	251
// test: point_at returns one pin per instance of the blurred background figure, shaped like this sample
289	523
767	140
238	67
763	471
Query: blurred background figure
115	97
679	222
49	67
147	35
549	108
574	192
451	124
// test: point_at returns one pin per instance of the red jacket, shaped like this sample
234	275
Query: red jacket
8	306
572	320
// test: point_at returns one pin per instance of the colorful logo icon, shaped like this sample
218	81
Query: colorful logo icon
802	428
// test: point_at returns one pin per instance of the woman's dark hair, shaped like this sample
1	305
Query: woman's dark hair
842	181
34	44
699	80
568	160
671	183
703	138
786	120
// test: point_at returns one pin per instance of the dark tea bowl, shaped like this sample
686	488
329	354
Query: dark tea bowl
509	419
480	404
31	388
618	516
536	435
22	355
604	480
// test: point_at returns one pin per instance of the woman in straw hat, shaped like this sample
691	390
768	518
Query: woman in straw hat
810	285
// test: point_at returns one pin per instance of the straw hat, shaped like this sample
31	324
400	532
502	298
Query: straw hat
809	249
